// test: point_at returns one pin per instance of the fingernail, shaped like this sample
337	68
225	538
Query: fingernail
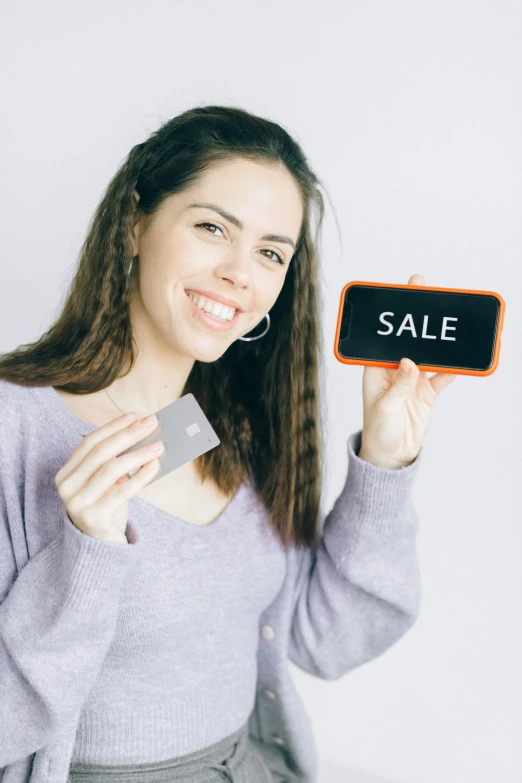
157	446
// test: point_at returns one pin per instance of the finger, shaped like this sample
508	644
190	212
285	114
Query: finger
111	500
90	440
107	451
90	488
441	380
416	280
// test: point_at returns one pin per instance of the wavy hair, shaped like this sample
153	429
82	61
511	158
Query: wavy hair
262	397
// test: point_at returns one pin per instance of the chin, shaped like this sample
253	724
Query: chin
208	350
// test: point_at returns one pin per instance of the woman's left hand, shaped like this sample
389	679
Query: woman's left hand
397	408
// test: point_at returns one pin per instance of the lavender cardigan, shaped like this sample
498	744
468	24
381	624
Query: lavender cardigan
341	603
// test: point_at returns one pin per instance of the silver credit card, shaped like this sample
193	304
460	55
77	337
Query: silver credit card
185	431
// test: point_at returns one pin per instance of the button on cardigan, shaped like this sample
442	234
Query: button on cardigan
77	613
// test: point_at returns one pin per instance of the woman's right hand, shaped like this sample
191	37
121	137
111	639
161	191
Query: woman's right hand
93	483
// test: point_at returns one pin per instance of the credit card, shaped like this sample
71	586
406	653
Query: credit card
185	431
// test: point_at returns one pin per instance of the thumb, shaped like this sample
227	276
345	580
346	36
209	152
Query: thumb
405	377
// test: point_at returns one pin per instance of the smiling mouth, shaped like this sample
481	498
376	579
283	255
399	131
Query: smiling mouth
217	320
190	294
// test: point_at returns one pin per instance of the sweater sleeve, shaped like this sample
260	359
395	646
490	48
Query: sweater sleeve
57	619
357	590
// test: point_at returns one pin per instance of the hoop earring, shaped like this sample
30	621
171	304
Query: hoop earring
247	339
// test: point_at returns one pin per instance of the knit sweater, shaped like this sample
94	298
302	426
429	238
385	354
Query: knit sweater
121	654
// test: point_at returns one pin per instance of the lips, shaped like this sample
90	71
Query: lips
215	298
217	325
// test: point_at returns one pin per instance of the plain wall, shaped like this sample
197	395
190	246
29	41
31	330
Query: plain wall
410	113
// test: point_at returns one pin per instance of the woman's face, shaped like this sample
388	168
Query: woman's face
184	248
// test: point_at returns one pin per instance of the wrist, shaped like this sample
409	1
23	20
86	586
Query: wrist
379	462
115	539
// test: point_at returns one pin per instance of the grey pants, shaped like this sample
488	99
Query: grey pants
238	758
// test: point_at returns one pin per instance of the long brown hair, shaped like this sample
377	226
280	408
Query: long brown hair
262	397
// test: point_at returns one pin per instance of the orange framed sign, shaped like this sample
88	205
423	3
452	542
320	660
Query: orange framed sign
456	330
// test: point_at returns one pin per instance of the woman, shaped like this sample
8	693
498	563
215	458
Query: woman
146	626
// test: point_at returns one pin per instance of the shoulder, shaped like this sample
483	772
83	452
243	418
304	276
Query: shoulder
13	393
17	409
10	389
15	400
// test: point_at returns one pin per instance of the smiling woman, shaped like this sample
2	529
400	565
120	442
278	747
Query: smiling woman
137	337
154	619
215	208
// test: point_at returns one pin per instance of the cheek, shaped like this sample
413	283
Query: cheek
172	263
266	295
277	292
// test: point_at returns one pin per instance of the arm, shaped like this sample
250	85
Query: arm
57	619
358	589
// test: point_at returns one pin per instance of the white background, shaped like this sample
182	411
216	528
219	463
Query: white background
410	113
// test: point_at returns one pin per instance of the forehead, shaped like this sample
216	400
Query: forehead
261	196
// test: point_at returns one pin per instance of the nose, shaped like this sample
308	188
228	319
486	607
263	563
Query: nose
236	269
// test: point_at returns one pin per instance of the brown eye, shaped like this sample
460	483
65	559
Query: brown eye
202	225
280	259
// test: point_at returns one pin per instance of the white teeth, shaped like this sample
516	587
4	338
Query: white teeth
214	309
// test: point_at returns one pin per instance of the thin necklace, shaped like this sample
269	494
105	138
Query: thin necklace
110	398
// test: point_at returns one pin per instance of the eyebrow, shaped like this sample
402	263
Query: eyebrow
236	222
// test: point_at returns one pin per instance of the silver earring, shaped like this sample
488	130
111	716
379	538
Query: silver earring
259	335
